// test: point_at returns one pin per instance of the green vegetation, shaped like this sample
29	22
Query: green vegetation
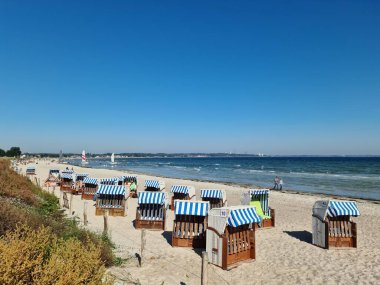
14	151
39	245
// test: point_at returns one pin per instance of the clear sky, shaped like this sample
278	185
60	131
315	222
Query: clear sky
276	77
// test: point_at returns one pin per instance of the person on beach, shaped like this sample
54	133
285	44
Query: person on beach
275	183
280	183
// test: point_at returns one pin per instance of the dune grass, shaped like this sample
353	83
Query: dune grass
32	221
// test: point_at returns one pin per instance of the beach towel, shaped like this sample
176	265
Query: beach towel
259	210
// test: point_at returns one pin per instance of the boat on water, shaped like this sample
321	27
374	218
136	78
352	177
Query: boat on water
113	159
84	160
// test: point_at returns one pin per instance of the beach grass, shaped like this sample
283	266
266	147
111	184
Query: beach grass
29	214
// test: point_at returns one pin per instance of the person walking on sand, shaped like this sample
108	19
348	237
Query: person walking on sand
280	183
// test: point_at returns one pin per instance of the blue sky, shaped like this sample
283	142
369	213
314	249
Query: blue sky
284	77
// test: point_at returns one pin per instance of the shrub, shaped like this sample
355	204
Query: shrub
30	256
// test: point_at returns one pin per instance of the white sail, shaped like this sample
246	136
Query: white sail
84	161
113	158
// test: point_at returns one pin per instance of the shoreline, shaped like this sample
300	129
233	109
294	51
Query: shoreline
240	185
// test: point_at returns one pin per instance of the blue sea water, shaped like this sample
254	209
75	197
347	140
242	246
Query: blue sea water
357	177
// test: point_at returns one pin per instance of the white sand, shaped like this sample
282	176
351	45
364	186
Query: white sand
281	257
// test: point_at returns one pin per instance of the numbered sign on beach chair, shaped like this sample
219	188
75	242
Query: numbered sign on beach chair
259	198
230	235
182	192
154	185
333	225
112	198
151	210
216	197
190	223
90	187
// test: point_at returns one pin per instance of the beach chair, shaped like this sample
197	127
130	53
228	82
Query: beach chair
111	198
30	170
151	210
216	197
79	177
109	181
154	185
182	192
90	187
260	199
332	224
230	236
68	183
190	223
53	178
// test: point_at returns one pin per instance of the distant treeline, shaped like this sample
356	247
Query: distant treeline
12	152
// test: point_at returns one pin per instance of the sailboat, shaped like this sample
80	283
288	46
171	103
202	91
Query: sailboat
113	158
84	161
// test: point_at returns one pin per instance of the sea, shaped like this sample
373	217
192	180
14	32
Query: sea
356	177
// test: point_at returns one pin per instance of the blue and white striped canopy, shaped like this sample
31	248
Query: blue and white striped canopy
53	170
262	195
151	198
152	183
257	192
180	189
66	176
82	174
30	168
89	180
67	171
211	193
109	181
111	190
243	216
342	208
191	208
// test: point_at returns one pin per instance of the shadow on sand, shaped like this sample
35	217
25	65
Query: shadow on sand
304	236
167	236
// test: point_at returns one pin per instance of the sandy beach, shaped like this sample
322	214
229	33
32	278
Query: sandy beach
284	254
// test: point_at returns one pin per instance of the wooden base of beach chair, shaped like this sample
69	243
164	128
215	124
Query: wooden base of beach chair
114	212
340	233
87	196
193	243
65	188
150	225
268	223
156	220
189	231
238	245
